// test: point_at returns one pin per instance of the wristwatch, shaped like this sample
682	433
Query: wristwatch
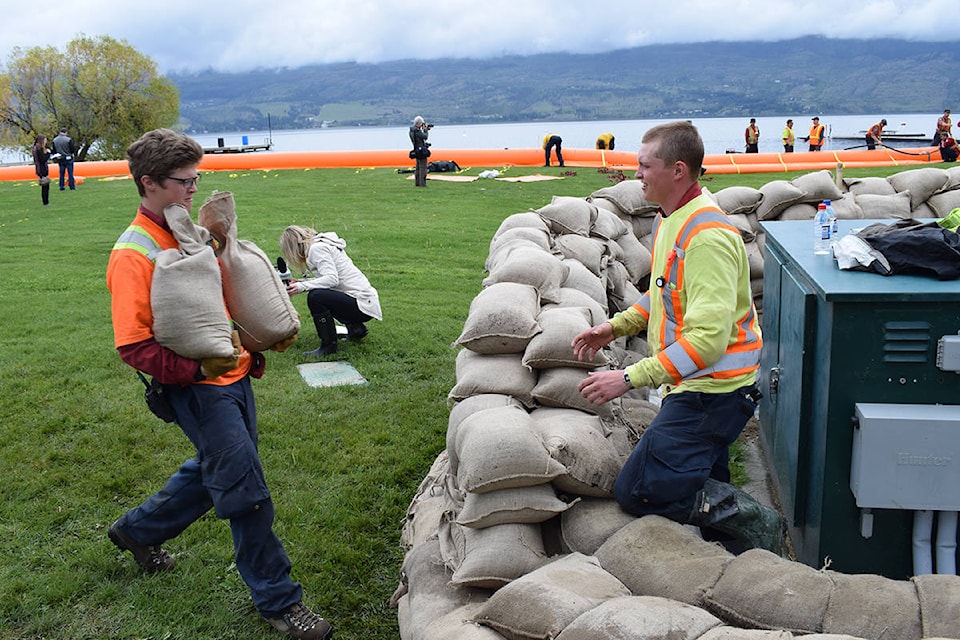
626	378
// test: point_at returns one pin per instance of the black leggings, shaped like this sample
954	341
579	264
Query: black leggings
341	306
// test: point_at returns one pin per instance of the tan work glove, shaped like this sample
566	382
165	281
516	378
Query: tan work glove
283	345
215	367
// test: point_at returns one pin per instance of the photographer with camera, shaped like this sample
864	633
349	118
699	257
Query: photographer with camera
419	132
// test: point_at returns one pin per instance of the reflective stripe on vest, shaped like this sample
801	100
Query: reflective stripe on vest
137	239
678	357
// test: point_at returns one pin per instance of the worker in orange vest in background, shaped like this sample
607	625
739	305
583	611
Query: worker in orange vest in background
875	134
816	135
751	137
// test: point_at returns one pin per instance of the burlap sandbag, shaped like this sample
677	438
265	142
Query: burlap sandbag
608	225
578	276
754	259
869	185
566	214
799	211
590	522
939	597
576	440
570	297
627	196
920	183
640	618
257	298
502	319
522	219
501	374
817	186
469	406
530	505
590	252
746	223
621	292
874	206
777	196
872	606
492	557
530	265
557	387
427	506
759	589
738	200
658	557
458	625
943	203
552	346
499	449
186	297
539	237
636	257
542	603
733	633
426	583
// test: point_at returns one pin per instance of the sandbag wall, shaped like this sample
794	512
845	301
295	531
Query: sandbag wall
514	532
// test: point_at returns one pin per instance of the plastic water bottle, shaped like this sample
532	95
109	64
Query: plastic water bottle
821	231
832	216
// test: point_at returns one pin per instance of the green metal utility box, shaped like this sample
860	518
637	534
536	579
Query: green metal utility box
833	340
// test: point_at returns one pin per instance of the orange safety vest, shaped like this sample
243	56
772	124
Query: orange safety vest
816	134
876	130
752	134
129	277
678	356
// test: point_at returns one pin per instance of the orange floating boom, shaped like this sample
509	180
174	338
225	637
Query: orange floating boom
623	160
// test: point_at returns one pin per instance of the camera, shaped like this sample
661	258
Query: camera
429	126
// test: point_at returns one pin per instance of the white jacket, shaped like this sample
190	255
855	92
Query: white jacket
332	268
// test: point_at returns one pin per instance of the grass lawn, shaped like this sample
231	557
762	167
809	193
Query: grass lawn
79	447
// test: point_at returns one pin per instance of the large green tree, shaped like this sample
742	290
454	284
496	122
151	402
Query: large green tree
103	90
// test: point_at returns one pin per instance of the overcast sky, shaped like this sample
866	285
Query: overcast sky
238	35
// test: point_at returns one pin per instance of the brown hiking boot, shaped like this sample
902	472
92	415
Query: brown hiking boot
301	623
151	557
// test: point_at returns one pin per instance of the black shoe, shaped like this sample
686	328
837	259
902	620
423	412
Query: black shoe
151	558
356	332
299	622
321	351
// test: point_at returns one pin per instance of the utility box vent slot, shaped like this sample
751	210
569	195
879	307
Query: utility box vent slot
906	342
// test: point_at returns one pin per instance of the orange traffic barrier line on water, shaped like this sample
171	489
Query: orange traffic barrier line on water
726	163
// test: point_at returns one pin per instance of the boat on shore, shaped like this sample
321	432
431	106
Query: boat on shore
726	163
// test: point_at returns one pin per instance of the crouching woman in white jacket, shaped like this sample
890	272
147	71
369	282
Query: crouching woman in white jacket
336	288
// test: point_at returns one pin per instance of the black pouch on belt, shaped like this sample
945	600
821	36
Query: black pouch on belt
157	401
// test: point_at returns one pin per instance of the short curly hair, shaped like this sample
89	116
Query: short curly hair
159	153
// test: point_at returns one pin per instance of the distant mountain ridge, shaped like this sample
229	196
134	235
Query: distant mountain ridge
711	79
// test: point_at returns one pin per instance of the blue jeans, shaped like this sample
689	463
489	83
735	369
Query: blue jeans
226	475
66	168
684	445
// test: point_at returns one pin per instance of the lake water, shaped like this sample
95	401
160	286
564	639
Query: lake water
719	134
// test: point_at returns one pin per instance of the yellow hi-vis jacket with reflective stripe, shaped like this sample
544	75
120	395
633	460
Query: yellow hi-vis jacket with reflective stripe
702	327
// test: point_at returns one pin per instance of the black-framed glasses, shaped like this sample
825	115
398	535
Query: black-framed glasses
186	182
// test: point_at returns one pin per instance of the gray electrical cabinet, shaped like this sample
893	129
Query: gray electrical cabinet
853	370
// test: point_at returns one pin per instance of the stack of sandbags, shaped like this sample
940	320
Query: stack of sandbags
517	515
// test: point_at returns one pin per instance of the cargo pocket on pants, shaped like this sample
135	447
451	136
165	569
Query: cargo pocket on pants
235	482
673	469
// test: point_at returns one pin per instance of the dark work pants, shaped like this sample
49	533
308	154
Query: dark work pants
554	141
685	444
226	475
